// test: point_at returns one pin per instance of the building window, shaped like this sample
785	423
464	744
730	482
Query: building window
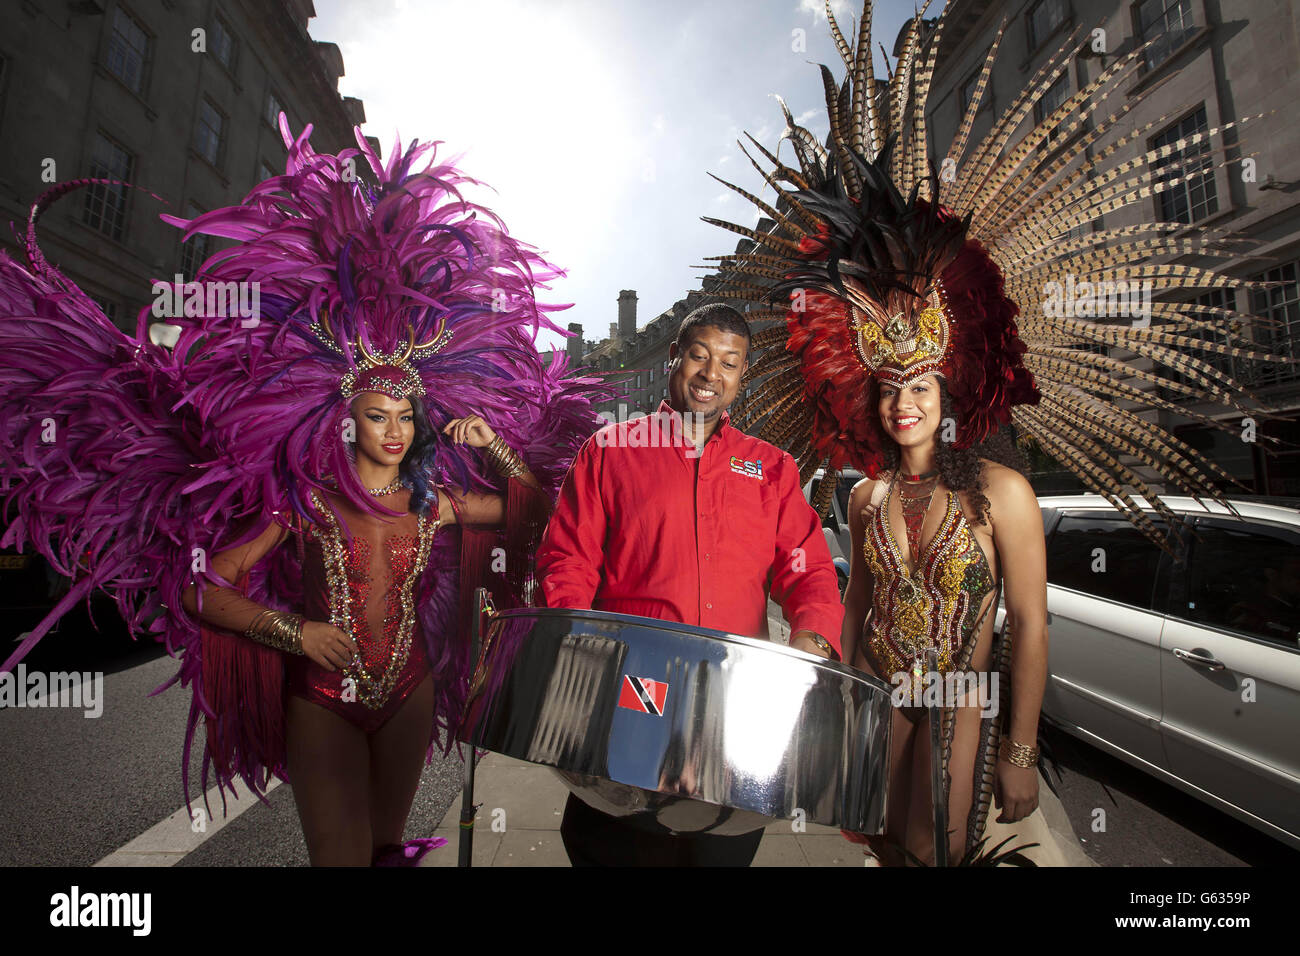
208	132
128	49
105	207
1281	304
1047	104
967	92
194	250
1194	197
1244	372
1044	18
107	306
652	373
4	73
638	381
266	172
223	43
273	110
665	394
1168	22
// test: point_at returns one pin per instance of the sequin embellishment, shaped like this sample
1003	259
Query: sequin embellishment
347	575
935	603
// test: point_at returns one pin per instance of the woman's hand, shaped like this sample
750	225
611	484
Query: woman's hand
470	430
1016	791
329	646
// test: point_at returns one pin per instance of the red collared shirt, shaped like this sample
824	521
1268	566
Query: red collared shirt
638	531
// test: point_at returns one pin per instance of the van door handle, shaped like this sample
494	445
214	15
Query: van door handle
1200	660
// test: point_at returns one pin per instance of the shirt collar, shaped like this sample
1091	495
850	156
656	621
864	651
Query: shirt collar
724	420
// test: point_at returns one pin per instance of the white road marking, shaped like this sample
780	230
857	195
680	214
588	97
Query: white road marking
166	843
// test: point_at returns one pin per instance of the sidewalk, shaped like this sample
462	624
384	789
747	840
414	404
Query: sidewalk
518	824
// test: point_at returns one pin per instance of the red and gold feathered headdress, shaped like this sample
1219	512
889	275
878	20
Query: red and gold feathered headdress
892	272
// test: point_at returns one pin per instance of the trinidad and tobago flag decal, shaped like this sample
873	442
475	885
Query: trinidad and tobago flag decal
644	695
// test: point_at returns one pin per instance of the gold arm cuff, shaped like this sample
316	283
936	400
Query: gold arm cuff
507	463
278	629
1018	755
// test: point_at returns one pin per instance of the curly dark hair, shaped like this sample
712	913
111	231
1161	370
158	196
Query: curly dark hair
959	468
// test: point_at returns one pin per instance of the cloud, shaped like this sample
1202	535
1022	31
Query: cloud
841	8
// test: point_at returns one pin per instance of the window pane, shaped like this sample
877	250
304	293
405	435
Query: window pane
207	135
1055	95
273	109
105	207
1246	581
1193	196
1281	305
223	44
1129	559
1167	22
842	493
127	45
194	251
1043	19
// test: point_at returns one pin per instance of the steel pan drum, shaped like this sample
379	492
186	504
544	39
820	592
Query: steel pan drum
689	728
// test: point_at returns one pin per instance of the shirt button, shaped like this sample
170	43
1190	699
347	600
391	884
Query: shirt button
709	606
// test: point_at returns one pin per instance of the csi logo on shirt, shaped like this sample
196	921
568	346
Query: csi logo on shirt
750	469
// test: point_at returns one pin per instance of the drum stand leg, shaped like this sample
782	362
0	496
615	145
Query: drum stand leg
940	806
468	811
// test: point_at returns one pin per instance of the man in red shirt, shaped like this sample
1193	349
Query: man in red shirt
681	517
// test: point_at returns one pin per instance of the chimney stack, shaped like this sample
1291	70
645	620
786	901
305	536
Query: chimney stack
627	315
574	345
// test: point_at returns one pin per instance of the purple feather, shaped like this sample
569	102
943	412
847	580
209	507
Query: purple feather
123	463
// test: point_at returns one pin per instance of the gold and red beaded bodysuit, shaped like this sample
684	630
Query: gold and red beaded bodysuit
936	604
368	590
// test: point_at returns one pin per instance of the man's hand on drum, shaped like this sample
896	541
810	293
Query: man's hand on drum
470	430
1016	791
803	641
329	646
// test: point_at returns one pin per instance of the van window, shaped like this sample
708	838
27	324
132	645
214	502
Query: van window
842	493
1246	580
1104	555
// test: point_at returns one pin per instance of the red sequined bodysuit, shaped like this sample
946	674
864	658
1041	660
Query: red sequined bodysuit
368	590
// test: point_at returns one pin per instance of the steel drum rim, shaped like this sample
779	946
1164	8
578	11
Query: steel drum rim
695	631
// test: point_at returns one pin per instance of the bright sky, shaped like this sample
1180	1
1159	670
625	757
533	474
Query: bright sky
596	123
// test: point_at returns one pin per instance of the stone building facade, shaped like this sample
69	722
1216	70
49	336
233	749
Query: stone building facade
1211	62
179	97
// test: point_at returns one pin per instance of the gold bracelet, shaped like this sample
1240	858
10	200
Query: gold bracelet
277	629
507	463
1018	755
